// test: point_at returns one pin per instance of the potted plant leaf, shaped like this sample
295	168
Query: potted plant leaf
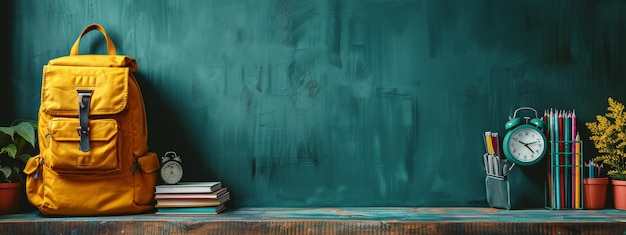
608	134
17	145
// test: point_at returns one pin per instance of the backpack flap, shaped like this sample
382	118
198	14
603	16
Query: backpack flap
96	61
64	156
60	86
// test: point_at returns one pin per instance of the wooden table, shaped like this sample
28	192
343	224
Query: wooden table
370	220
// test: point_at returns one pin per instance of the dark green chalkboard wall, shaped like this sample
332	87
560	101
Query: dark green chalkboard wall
338	103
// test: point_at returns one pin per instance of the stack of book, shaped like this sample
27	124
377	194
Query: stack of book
191	198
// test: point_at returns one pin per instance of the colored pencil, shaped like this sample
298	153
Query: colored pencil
557	180
489	142
561	159
494	143
573	157
567	185
578	163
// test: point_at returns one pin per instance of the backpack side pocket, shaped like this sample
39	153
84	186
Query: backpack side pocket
34	180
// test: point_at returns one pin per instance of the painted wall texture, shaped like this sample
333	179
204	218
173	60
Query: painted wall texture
339	103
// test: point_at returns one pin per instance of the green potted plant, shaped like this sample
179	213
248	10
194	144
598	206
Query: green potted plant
17	145
608	134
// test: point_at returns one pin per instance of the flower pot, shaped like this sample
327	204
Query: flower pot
595	192
619	194
10	196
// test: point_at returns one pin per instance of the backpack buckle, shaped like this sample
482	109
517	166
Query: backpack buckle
82	94
81	131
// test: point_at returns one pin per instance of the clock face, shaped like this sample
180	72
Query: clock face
525	145
171	172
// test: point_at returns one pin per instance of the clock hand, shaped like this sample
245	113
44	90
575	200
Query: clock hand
526	145
530	149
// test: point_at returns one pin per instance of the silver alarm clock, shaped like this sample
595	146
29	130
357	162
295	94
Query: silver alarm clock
172	168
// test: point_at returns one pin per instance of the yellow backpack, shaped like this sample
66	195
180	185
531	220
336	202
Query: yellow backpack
94	157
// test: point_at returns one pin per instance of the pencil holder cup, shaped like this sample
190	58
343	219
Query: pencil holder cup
498	192
595	192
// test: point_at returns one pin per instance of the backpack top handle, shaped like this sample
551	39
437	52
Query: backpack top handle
110	45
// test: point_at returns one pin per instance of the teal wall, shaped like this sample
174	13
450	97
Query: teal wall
7	97
340	103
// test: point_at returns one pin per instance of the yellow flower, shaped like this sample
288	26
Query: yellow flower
608	135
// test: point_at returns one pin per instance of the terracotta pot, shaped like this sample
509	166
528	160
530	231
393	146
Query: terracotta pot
595	192
619	194
10	196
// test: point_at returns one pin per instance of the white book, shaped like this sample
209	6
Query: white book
189	187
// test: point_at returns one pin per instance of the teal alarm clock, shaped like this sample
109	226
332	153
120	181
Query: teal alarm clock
525	141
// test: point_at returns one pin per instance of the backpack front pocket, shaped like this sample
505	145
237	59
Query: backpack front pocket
65	155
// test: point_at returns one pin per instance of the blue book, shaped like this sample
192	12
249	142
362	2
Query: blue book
191	210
